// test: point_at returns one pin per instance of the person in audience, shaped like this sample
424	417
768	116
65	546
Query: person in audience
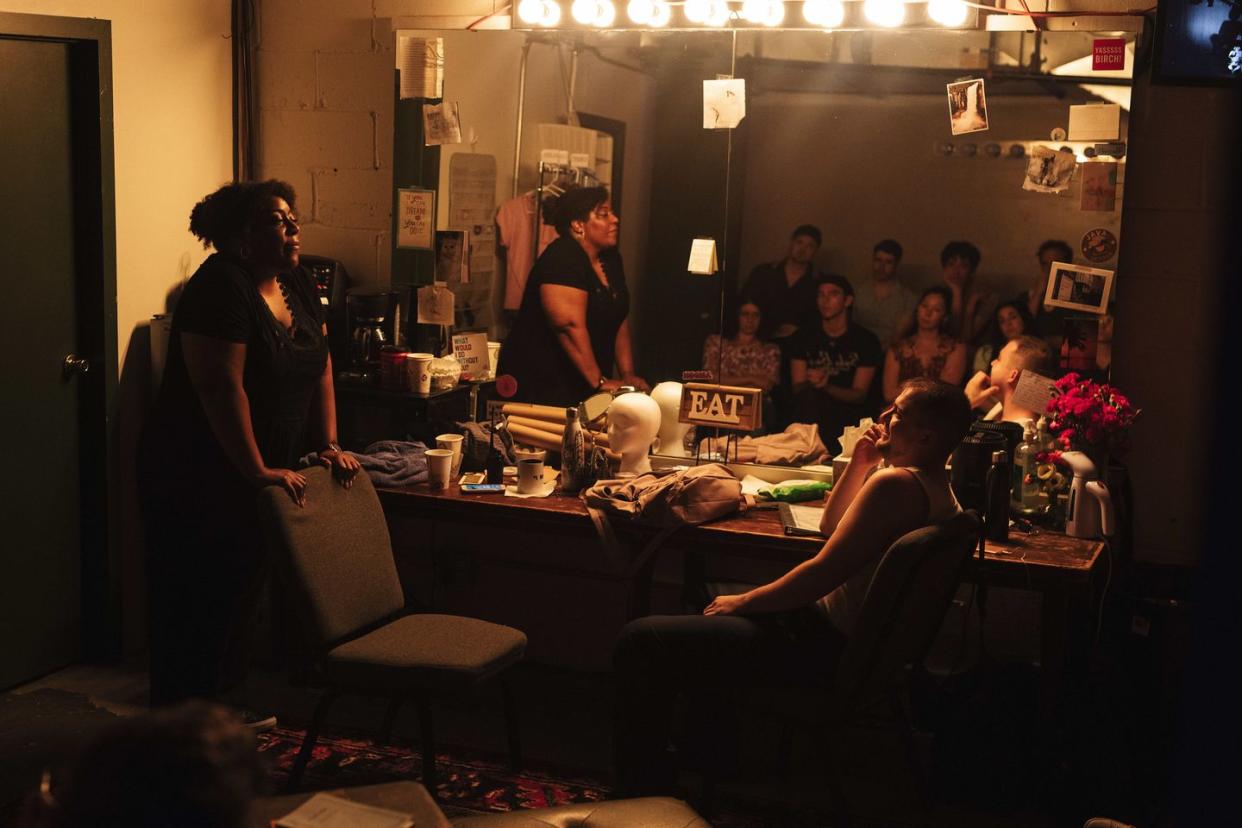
193	765
247	391
991	394
1010	321
833	364
924	347
971	306
785	290
793	629
1047	323
573	325
884	305
741	357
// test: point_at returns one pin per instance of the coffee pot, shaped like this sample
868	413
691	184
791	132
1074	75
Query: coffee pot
1089	510
370	315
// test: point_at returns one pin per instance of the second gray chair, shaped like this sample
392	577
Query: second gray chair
335	557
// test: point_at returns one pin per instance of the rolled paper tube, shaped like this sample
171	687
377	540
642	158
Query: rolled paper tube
534	437
554	429
535	412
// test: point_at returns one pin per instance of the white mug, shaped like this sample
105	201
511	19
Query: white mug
530	476
439	467
452	442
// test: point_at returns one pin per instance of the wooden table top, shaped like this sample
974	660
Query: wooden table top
1024	560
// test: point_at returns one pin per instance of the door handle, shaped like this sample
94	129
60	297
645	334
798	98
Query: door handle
75	364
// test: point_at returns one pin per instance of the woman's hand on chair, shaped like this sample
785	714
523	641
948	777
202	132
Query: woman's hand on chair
292	482
344	466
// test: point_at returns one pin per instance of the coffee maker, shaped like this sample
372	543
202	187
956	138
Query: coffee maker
372	325
331	282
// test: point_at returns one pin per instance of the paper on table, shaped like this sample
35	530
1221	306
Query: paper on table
702	257
805	519
1032	391
1094	122
546	489
724	103
470	349
328	811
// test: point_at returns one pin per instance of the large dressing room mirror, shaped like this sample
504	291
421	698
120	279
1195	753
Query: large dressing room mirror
852	132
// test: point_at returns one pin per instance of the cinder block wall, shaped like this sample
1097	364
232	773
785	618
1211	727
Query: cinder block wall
325	76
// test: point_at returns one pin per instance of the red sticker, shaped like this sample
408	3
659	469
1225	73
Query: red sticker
506	385
1108	54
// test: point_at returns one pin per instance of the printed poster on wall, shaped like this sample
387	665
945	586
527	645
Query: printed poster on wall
416	218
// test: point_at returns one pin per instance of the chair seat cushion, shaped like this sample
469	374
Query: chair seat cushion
425	652
649	812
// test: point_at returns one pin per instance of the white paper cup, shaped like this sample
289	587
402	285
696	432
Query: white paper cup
529	476
439	467
452	442
418	367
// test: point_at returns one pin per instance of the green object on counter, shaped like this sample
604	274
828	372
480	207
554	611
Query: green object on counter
796	492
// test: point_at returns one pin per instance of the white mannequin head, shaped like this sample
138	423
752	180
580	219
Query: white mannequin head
672	433
633	421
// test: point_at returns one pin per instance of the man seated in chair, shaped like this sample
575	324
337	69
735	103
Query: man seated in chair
793	629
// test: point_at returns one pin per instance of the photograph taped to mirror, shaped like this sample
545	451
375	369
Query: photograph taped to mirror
968	111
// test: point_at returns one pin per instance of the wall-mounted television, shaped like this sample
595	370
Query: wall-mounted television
1199	42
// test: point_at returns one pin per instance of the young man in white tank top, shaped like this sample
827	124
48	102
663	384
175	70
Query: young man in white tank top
794	627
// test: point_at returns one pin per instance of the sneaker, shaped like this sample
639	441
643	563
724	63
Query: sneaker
258	722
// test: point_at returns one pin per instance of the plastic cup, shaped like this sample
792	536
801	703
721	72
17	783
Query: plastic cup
439	467
452	442
419	368
493	356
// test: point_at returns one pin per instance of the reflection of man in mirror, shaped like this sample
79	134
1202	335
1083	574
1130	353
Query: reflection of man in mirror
992	394
833	364
785	290
883	304
1049	322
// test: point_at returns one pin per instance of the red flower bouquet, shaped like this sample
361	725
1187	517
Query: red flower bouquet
1090	417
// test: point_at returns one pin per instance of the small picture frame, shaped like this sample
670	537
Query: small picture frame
968	108
416	218
1085	289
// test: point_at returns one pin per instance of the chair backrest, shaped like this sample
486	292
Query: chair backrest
335	555
903	608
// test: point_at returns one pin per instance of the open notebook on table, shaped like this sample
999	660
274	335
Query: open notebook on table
801	520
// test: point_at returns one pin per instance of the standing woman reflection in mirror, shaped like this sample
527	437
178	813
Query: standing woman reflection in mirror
925	346
572	326
246	392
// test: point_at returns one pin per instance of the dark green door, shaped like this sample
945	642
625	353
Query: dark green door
40	556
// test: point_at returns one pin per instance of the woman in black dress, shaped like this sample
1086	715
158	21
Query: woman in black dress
247	390
571	328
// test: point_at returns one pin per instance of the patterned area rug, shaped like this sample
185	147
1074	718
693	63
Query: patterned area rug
471	783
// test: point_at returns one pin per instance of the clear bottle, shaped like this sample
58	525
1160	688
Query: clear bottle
1044	436
1026	499
573	452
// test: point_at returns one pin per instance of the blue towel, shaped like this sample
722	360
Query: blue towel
388	462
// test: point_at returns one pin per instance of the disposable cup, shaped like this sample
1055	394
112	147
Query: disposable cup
529	476
439	467
452	442
419	368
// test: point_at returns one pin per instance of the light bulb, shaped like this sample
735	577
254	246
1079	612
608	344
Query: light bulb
719	14
886	13
766	12
584	11
661	13
531	11
776	13
551	13
605	14
948	12
697	11
826	13
641	11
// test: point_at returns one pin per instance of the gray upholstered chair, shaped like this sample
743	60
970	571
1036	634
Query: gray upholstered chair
335	558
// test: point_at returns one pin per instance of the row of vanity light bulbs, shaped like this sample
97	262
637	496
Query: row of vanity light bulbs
828	14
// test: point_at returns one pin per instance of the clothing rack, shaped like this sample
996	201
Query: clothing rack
552	177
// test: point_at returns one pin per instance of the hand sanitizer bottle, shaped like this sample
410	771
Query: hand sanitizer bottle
1025	499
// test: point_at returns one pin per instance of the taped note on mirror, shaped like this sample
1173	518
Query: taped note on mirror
724	103
702	257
